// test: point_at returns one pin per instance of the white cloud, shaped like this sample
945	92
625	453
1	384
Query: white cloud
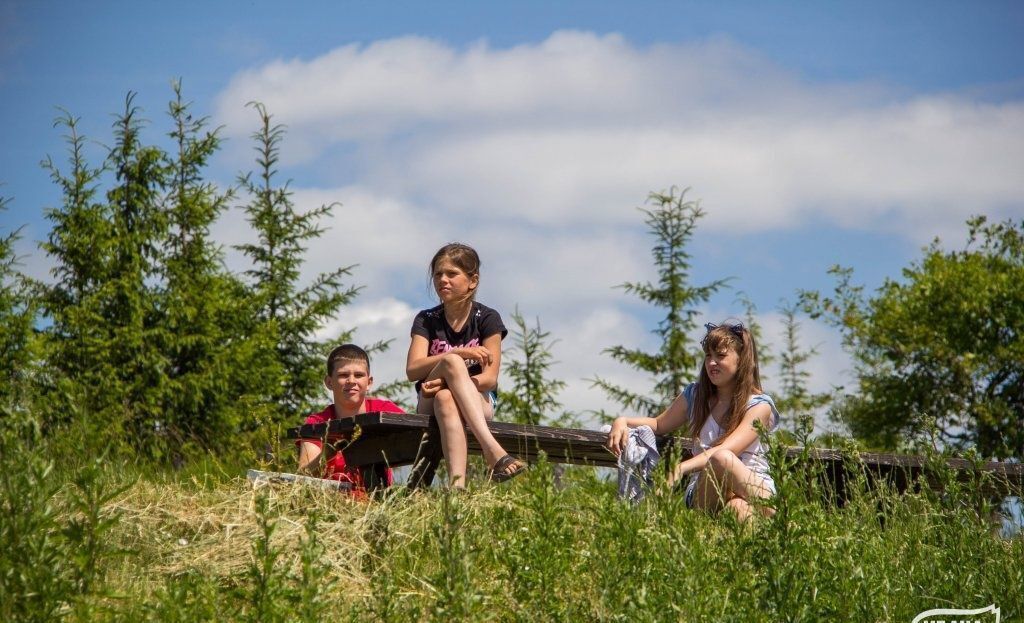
375	320
536	154
578	356
565	131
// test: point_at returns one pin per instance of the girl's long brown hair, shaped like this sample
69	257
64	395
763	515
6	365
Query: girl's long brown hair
748	378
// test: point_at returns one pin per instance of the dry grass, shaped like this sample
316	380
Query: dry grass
195	550
171	529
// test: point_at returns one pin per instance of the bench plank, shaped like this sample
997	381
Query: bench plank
413	439
564	445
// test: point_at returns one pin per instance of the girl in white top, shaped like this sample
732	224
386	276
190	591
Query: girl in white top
729	467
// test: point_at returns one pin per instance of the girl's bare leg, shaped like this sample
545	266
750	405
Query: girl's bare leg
741	508
727	482
453	435
469	407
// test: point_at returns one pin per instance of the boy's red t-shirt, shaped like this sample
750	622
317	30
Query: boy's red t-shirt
335	468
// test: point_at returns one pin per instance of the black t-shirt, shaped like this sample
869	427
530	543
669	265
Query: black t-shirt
483	323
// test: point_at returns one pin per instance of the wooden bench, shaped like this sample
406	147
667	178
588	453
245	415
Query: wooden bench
397	439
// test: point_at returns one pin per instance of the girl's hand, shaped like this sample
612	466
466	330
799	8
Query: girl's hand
618	436
671	480
430	388
479	353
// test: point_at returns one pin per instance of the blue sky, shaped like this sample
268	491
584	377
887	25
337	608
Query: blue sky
814	134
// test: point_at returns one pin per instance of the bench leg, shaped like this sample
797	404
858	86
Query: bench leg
428	458
375	477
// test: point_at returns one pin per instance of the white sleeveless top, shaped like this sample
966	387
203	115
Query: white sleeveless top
755	455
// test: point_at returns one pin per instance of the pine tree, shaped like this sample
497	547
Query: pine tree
80	243
17	313
672	222
102	304
533	397
81	234
284	310
765	354
141	174
211	364
797	402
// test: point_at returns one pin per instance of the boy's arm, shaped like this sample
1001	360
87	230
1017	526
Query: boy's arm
309	457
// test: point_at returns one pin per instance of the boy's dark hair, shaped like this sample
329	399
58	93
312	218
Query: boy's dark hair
345	353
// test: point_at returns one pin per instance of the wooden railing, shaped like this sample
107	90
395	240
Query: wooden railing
411	439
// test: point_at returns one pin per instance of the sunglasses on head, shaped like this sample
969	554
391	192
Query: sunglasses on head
736	329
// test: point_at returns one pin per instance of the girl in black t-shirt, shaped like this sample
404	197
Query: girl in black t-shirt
454	357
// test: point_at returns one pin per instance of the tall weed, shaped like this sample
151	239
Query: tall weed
216	548
36	580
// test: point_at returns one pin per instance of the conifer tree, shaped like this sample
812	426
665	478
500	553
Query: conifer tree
131	305
289	312
672	222
81	234
765	354
102	305
796	401
533	398
210	360
17	313
79	242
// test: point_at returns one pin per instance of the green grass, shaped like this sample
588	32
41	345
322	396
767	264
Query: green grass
90	541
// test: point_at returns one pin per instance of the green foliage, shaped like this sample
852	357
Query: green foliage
314	582
80	243
56	544
456	597
17	313
533	568
34	575
91	523
765	355
672	222
189	597
215	366
290	313
265	591
542	548
795	399
151	342
941	348
102	306
533	398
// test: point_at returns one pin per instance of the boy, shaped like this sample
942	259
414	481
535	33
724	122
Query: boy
348	378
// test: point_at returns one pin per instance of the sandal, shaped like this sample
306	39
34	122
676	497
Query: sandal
500	472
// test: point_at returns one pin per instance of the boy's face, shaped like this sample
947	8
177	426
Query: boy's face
349	383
